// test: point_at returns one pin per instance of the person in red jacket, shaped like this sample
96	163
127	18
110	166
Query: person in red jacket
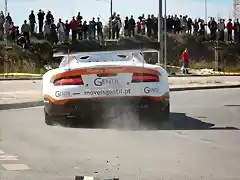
74	25
229	30
185	61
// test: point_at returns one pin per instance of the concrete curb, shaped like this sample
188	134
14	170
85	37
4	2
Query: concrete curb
40	103
21	78
204	87
21	105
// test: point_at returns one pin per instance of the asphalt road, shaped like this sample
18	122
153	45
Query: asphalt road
202	141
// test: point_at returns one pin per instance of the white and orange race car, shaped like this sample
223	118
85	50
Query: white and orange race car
88	84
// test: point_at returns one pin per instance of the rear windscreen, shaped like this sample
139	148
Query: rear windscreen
104	58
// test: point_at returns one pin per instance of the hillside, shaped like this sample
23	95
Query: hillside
202	53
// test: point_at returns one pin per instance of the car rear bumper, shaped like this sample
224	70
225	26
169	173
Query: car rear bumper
86	107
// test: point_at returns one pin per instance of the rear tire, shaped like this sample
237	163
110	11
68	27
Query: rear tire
160	115
51	120
166	113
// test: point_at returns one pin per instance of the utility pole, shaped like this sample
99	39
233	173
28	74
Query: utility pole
6	39
111	13
206	14
165	34
5	30
160	34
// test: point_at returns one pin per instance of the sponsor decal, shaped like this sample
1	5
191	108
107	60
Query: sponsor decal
149	90
103	70
111	92
105	81
62	94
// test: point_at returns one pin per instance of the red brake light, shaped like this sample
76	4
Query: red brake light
71	80
144	77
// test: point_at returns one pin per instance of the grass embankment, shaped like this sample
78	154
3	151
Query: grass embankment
203	54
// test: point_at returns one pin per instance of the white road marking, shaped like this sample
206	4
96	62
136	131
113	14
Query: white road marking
88	178
1	152
8	158
15	167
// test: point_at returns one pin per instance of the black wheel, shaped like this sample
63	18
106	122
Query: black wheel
166	113
160	115
52	120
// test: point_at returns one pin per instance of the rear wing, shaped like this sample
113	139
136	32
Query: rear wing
121	48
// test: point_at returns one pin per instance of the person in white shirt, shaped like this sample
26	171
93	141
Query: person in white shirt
61	31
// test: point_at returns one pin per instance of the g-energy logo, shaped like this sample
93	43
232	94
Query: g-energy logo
149	90
105	81
62	94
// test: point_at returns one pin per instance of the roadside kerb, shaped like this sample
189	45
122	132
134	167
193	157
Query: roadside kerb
40	102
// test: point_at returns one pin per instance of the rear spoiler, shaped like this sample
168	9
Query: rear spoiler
128	48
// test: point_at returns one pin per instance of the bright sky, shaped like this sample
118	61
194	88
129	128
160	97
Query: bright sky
20	9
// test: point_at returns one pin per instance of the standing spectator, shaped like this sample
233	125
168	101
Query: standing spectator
74	27
155	26
49	17
212	25
141	18
138	27
131	27
221	27
32	21
143	27
47	31
26	30
118	26
67	31
177	25
2	21
236	28
7	28
110	28
79	17
9	18
229	30
189	25
181	24
12	31
92	29
41	15
185	61
114	27
54	36
195	27
85	30
80	32
17	32
99	29
61	30
126	33
184	25
202	29
149	25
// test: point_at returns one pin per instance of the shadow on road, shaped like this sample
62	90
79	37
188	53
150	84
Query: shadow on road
178	121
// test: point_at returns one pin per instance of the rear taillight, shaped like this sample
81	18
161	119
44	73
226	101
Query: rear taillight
70	80
144	77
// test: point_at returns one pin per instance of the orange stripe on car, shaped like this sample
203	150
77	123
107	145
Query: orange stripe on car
106	70
63	101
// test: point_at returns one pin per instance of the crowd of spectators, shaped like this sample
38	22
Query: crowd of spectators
58	31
